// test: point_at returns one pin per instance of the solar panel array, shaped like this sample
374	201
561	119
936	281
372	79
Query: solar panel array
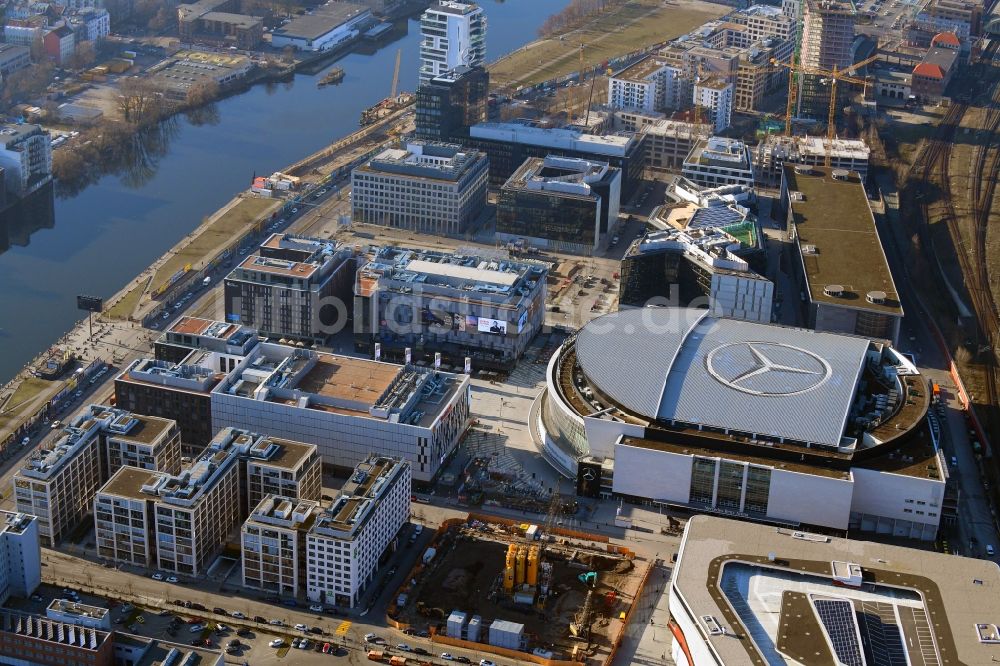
837	616
880	635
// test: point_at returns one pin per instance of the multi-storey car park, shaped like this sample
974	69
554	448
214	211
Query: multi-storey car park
179	520
273	541
57	484
776	424
347	540
477	306
745	594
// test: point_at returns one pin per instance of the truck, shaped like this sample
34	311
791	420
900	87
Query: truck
429	555
375	655
397	661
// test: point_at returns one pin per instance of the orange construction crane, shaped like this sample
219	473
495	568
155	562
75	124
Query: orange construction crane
833	78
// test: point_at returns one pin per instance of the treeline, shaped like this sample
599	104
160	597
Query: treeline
575	12
132	146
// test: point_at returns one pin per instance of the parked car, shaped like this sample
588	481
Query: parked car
447	656
301	627
316	608
277	643
172	579
196	628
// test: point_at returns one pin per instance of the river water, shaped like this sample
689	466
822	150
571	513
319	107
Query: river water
109	233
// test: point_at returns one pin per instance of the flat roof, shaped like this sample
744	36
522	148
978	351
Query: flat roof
296	269
348	378
128	482
289	456
639	71
325	18
145	431
459	272
838	241
936	602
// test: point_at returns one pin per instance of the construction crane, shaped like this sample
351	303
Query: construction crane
395	74
833	78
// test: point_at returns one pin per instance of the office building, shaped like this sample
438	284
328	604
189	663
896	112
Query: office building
348	539
179	522
827	42
564	204
719	161
81	615
20	556
758	75
800	598
765	21
347	407
698	266
774	151
13	57
645	86
57	484
190	334
452	33
714	96
281	287
39	641
219	20
964	18
508	144
325	27
26	158
273	541
842	271
787	426
452	102
174	391
669	142
436	188
483	307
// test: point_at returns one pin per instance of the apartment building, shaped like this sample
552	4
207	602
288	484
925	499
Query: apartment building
451	34
57	484
180	522
669	142
481	307
719	161
13	57
714	96
347	540
827	41
775	151
645	86
275	467
26	158
564	204
280	288
20	556
147	442
273	541
765	21
429	187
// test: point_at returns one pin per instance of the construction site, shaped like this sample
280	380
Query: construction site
504	586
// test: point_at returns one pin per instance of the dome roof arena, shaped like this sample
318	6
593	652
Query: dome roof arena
674	364
688	372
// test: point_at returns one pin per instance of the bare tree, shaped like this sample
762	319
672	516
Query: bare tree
83	56
202	93
139	101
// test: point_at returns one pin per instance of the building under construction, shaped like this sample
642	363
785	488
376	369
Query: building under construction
570	594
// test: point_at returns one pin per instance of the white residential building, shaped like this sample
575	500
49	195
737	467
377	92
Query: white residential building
347	540
648	85
452	33
719	161
273	541
20	555
26	157
715	95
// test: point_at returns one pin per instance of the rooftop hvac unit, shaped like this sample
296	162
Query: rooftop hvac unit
840	174
809	249
803	169
877	297
796	196
835	290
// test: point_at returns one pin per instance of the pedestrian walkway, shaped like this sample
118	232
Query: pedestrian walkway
648	640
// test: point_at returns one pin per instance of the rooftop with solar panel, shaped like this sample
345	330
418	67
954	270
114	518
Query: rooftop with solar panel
765	595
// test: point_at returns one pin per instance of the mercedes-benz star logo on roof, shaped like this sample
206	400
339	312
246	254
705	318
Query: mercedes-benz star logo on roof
767	368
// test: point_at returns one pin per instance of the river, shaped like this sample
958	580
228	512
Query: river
114	229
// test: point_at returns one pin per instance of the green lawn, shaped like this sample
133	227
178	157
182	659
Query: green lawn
26	391
634	25
124	308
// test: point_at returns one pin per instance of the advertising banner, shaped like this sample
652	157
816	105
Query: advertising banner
494	326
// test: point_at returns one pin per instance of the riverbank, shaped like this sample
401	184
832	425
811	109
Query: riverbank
633	26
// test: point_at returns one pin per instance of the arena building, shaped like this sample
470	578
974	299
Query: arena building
680	407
